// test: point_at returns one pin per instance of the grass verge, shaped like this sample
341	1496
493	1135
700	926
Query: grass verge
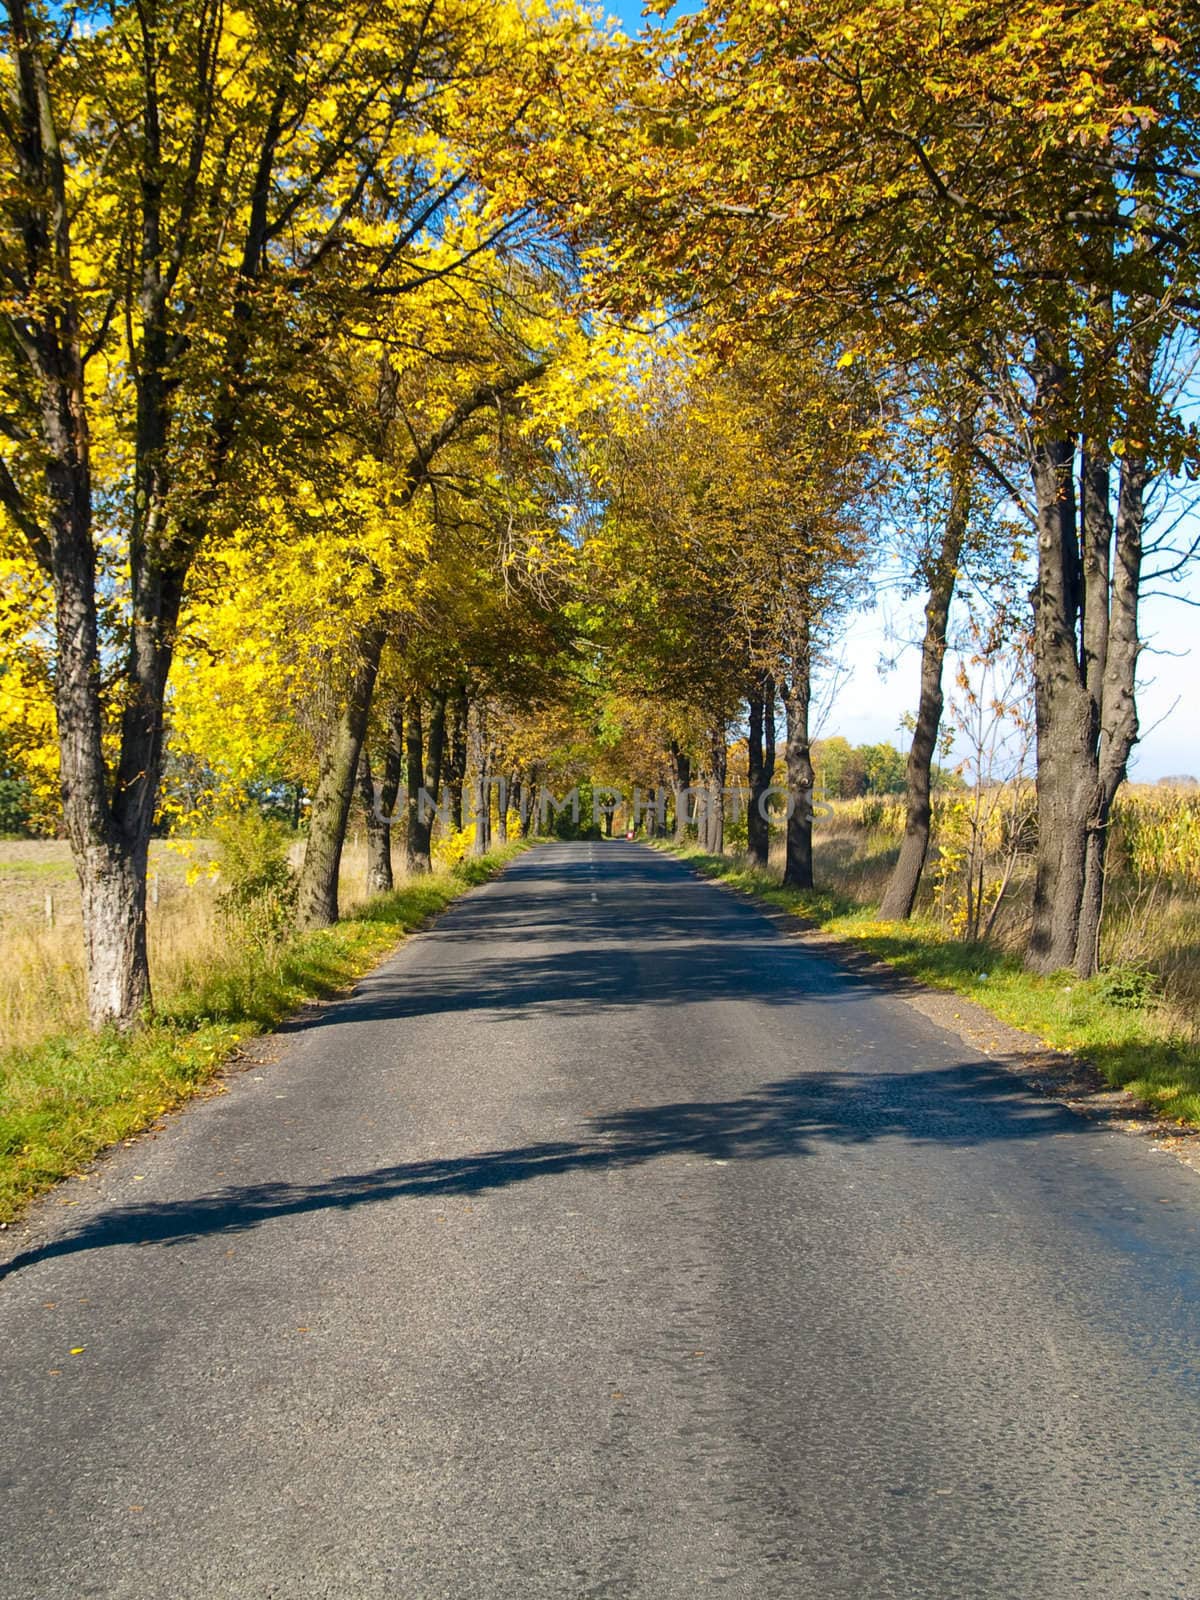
66	1098
1112	1021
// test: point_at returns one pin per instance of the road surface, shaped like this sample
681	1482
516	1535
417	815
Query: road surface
606	1242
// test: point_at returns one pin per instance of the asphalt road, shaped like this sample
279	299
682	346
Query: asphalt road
608	1243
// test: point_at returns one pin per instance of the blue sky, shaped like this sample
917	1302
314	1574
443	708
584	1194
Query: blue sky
629	13
870	702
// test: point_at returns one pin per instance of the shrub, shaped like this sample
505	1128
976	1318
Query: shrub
453	846
14	806
1127	985
257	899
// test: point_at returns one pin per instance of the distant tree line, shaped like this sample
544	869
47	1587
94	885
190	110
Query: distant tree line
845	771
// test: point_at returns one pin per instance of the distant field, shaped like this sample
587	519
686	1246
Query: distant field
1152	897
32	868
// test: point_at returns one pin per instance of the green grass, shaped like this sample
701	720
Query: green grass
67	1098
39	869
1111	1020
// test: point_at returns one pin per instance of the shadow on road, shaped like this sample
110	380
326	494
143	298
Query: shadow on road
672	974
957	1106
563	953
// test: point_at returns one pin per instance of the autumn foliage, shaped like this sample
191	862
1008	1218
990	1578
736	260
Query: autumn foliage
443	396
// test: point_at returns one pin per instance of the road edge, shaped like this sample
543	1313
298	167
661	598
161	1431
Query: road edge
1054	1074
268	1044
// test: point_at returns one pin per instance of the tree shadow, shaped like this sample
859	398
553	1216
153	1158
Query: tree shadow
572	961
954	1107
701	971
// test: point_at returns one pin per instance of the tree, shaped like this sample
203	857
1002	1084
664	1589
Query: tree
379	789
201	193
432	572
1014	187
939	566
735	512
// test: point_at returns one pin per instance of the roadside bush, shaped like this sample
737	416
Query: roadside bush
257	898
452	847
1127	985
737	833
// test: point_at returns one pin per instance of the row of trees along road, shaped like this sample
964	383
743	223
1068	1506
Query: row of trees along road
451	392
998	205
225	222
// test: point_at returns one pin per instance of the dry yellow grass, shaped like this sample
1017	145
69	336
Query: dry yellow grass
41	965
1152	909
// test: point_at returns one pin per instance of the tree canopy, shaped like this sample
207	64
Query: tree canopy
453	394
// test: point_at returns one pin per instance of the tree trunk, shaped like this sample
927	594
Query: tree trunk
754	768
761	767
1115	674
379	855
655	812
714	810
110	838
682	775
502	809
379	806
1062	713
416	858
456	758
112	884
330	809
901	893
798	863
1085	634
525	807
479	760
508	784
419	834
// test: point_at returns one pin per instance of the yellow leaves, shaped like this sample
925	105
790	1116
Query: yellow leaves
238	24
28	725
816	188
